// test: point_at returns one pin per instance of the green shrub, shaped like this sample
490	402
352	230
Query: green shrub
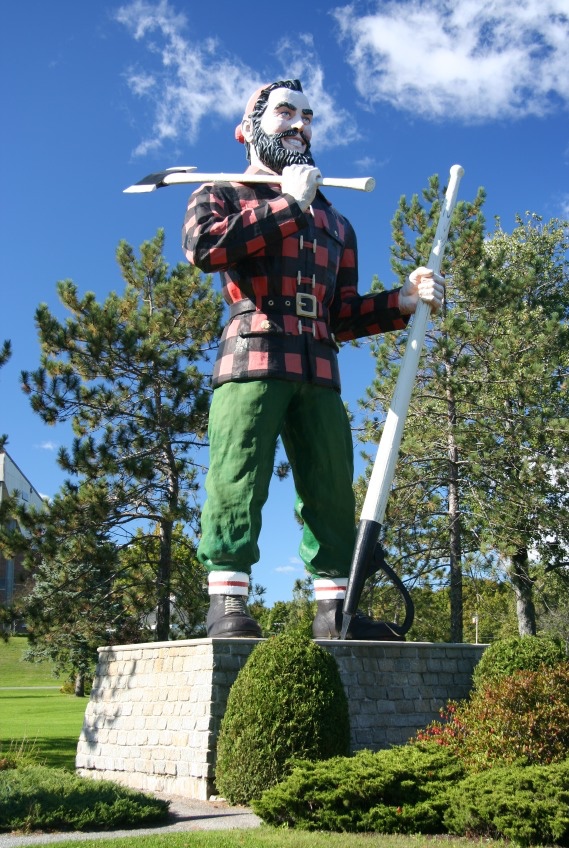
19	753
40	798
523	717
401	790
287	702
529	805
519	653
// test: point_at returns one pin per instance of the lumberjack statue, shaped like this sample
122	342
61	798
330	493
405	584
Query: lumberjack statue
288	262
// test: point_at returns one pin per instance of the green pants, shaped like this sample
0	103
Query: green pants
245	422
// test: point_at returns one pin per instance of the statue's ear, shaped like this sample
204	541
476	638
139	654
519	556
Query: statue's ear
247	129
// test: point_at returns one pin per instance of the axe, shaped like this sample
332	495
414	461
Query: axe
182	175
373	510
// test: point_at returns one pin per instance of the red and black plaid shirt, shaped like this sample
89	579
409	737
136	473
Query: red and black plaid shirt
290	279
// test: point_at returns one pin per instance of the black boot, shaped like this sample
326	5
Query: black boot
228	618
328	624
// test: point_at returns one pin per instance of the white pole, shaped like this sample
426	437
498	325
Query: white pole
373	511
384	467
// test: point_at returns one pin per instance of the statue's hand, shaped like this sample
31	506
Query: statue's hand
421	284
301	181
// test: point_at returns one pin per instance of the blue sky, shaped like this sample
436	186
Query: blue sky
98	94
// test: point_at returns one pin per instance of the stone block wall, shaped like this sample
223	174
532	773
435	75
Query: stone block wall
396	688
155	709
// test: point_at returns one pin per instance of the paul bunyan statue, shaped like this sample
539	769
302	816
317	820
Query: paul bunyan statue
289	269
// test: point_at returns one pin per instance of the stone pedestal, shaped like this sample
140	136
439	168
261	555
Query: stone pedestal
155	709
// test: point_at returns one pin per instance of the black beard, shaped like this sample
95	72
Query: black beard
276	157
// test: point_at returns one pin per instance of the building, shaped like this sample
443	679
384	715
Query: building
14	482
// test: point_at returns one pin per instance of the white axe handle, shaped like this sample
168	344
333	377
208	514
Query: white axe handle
358	183
384	467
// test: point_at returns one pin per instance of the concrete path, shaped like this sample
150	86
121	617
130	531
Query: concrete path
185	815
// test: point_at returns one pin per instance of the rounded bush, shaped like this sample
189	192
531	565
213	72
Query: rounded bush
518	653
287	703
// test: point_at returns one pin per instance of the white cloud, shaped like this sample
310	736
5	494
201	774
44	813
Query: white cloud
368	163
295	565
141	83
195	80
191	81
50	446
468	59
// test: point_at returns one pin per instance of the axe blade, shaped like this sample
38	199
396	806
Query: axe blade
153	181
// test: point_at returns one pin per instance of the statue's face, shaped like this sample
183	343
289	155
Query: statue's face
289	112
282	136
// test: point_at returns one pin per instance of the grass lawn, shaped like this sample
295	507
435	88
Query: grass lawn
33	710
269	838
15	671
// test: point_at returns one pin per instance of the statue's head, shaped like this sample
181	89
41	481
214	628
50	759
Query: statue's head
277	126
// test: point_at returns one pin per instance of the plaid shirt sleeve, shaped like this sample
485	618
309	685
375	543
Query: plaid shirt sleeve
353	315
226	223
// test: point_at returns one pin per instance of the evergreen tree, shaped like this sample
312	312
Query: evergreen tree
5	354
189	598
128	373
481	478
297	614
73	605
423	532
519	491
552	603
7	505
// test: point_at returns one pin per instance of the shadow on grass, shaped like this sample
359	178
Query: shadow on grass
56	752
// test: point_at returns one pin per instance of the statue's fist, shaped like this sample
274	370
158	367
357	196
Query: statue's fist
421	284
301	181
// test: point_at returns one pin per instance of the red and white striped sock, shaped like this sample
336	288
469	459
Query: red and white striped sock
326	589
228	583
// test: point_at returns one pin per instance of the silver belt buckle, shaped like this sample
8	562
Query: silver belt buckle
306	305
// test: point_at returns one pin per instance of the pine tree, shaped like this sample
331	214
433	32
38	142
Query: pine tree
423	532
519	493
130	375
5	354
481	477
